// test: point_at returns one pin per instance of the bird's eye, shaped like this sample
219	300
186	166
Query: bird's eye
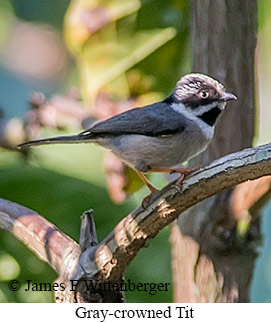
204	94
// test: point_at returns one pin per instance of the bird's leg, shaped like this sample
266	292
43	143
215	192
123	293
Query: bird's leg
147	182
150	187
178	170
182	171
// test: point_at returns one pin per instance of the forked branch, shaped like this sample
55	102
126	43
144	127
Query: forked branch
110	258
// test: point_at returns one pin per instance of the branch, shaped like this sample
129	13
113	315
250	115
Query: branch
119	248
42	237
250	196
110	258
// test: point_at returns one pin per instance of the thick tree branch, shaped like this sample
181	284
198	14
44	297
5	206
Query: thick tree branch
42	237
111	257
137	228
250	195
212	224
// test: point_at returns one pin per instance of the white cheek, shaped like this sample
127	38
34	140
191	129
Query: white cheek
204	108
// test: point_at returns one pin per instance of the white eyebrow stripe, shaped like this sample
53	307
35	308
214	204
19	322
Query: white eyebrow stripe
180	108
205	108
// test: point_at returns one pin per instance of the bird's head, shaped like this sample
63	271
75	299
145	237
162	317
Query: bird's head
202	95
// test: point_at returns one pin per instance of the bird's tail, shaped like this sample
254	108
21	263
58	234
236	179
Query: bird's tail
55	140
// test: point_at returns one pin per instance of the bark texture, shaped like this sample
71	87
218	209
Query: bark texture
223	42
107	261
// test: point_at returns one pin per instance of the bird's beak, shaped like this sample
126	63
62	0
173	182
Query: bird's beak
229	96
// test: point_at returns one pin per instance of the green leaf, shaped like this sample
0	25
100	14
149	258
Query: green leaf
85	17
103	61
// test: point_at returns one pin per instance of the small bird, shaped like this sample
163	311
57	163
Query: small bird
157	137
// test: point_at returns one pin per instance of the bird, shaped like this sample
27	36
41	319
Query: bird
159	136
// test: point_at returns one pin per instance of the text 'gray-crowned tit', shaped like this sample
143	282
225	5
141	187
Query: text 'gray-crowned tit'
157	137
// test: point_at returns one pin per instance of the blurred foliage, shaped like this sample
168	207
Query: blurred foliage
6	12
112	38
39	11
128	49
110	41
264	12
62	199
261	284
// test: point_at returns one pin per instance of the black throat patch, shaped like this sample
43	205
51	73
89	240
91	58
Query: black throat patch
210	116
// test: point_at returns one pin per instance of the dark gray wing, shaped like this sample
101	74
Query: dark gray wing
153	120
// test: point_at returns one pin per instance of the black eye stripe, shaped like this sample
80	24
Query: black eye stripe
194	103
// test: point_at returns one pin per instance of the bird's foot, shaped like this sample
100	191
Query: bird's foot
179	170
146	200
184	172
153	190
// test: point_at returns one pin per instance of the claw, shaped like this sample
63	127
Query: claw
178	188
183	171
146	199
178	184
180	180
